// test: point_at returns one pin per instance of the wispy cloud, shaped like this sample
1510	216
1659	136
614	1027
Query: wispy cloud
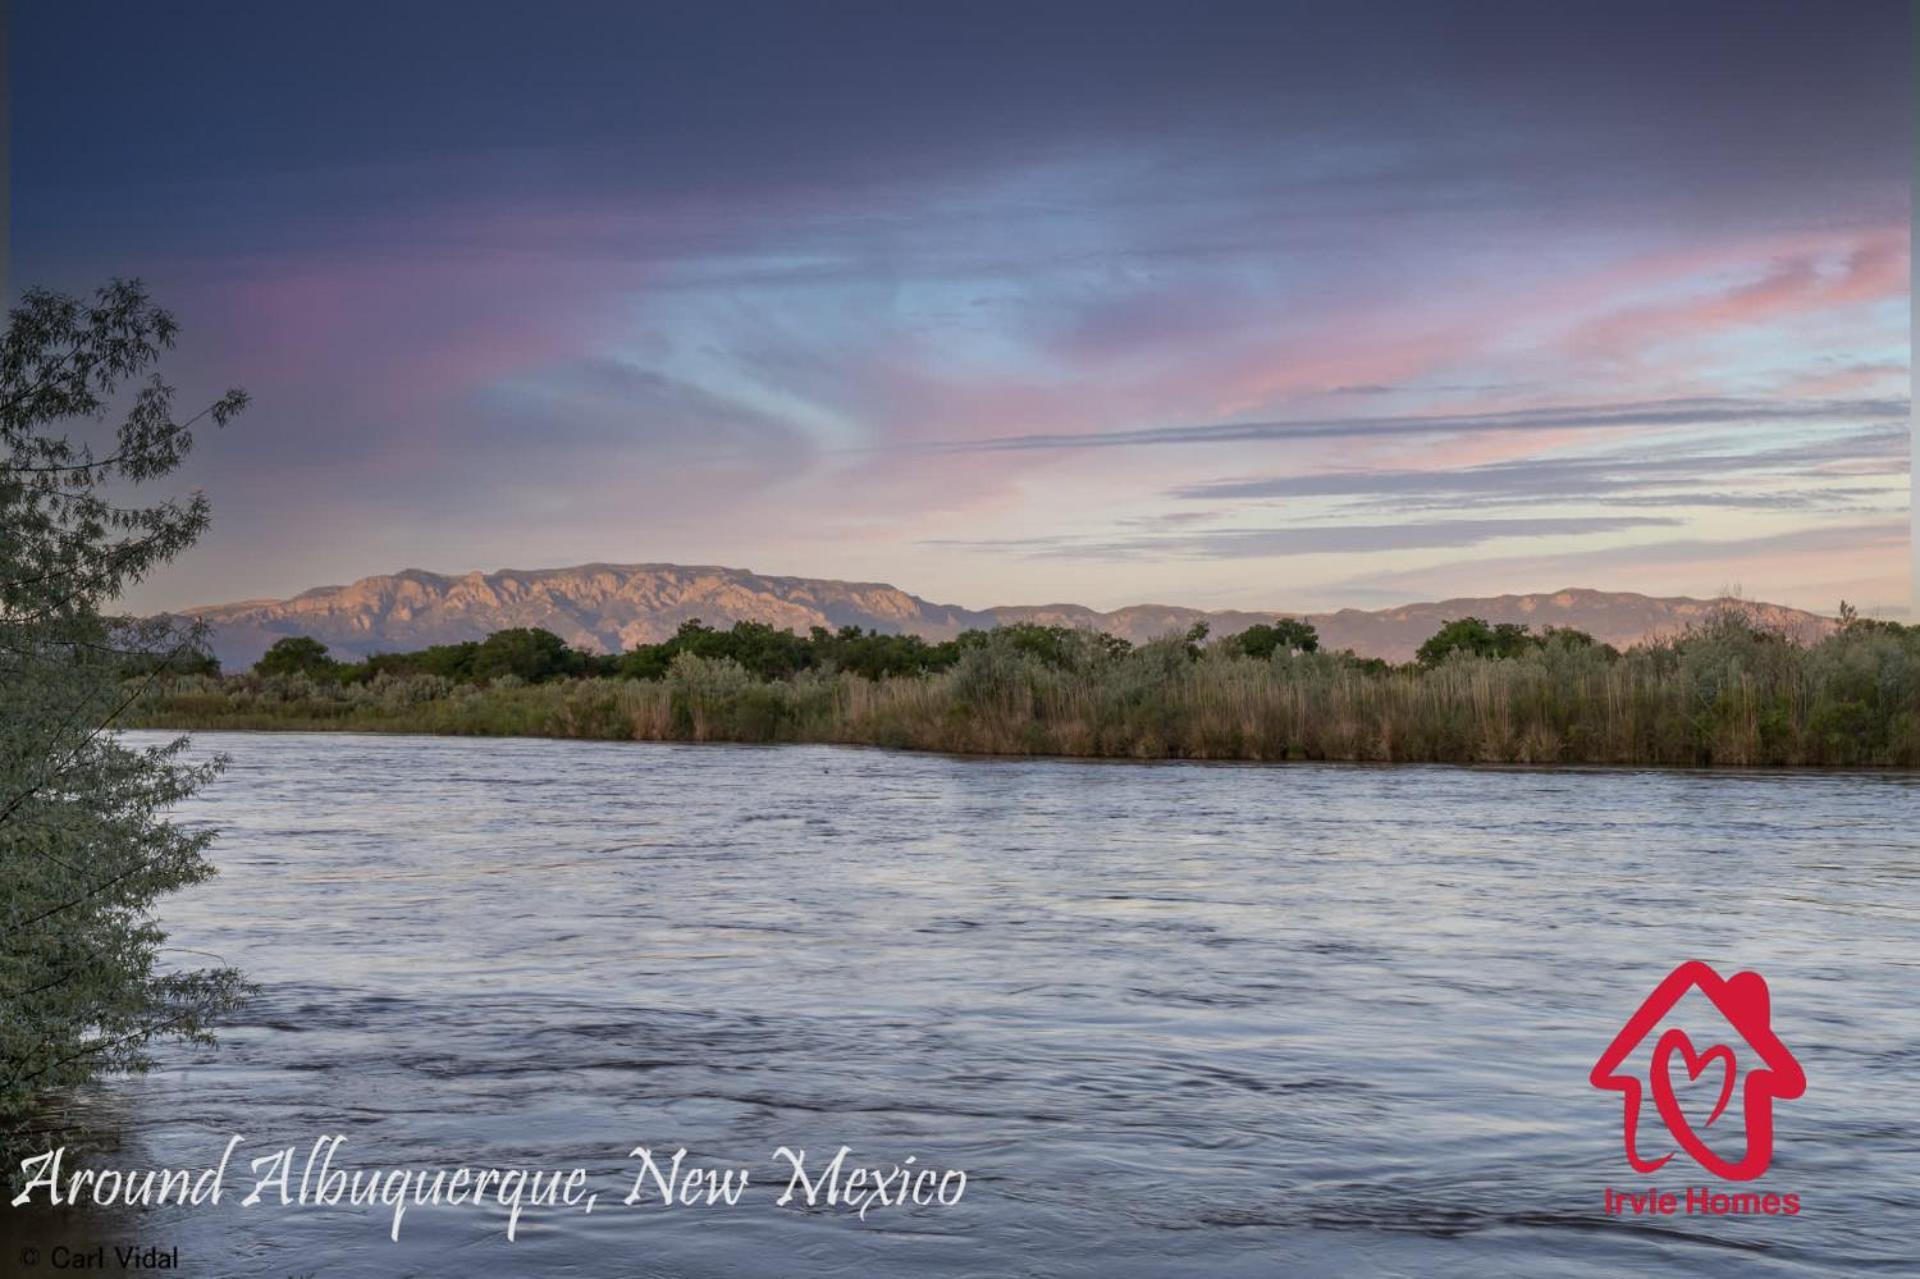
1271	543
1640	415
1825	471
1800	284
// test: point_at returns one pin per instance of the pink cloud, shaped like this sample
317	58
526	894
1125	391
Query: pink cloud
1354	353
1856	379
1809	281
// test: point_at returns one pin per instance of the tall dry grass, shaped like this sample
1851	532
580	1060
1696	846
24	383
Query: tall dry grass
1725	695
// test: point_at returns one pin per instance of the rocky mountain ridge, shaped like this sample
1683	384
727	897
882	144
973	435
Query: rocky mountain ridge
607	607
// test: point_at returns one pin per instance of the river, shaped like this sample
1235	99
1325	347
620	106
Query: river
1168	1018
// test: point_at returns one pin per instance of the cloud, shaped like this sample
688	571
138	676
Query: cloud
1696	412
824	282
603	403
1802	284
1847	379
1666	478
1272	543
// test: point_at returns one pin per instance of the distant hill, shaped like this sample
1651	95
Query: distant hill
607	607
1619	618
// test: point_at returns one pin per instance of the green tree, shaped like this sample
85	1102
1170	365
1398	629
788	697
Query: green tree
1572	640
1060	647
530	653
1851	623
1473	635
1287	635
296	655
195	659
449	661
85	844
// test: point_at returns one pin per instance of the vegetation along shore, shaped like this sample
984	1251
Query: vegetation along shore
1725	693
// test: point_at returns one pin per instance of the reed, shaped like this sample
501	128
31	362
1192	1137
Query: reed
1724	695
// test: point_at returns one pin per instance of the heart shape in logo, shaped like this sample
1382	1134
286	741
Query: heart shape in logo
1664	1098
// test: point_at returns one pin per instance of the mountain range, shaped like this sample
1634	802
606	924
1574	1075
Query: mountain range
608	607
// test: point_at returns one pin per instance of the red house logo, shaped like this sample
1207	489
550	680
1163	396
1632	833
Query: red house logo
1742	999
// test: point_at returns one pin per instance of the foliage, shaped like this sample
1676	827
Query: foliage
1724	693
764	651
874	655
1472	635
527	653
296	655
1287	635
770	653
1059	647
444	661
192	657
85	847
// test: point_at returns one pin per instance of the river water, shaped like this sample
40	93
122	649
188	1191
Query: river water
1168	1018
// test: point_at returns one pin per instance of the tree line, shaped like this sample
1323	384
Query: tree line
1726	692
534	655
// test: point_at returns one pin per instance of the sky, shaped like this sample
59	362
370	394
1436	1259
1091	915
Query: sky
1290	306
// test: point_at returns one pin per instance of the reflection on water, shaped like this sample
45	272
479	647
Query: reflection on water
1170	1018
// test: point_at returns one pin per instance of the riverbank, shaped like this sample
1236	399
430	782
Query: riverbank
1733	697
